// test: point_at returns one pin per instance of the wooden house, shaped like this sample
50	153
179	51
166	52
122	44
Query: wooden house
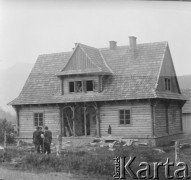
186	111
131	90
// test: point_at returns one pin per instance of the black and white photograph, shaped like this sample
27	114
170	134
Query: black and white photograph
95	90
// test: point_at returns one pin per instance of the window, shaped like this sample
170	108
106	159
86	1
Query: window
71	86
78	86
167	84
89	85
38	119
124	116
82	86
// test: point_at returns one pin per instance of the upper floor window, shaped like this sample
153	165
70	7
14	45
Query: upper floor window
167	84
82	86
78	86
89	85
71	87
124	116
38	119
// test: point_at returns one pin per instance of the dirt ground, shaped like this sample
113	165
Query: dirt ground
9	174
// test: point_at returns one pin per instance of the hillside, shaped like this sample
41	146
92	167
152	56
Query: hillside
7	115
12	81
184	81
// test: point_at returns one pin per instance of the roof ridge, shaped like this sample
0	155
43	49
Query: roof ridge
88	46
67	52
151	43
58	53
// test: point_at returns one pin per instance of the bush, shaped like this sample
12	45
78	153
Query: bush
6	126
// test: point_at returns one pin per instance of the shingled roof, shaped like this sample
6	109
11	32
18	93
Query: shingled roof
130	77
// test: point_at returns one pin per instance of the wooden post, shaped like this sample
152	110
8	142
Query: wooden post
181	123
18	121
59	145
177	152
59	137
74	130
85	128
166	113
73	121
153	118
61	119
97	122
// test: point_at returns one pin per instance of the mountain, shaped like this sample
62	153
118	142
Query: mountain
7	115
185	81
12	81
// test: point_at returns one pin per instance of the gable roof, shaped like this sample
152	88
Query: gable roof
94	64
131	78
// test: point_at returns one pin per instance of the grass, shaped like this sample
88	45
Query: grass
97	161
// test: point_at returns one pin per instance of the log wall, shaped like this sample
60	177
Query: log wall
51	119
173	122
141	121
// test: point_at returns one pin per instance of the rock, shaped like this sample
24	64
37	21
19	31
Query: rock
160	151
93	144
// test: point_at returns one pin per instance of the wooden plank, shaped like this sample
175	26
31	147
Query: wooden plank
140	114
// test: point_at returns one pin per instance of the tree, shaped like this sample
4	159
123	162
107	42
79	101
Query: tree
6	126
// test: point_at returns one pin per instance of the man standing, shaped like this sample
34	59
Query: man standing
47	140
36	139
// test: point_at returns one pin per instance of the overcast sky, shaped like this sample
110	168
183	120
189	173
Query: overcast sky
29	28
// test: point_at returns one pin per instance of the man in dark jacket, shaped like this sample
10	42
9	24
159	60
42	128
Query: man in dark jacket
36	139
47	140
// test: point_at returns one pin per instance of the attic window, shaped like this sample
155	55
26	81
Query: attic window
89	85
167	84
71	86
78	86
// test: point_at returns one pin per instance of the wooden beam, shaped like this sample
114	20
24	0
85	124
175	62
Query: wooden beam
153	105
61	121
62	86
98	121
167	121
153	119
85	128
17	109
73	118
181	123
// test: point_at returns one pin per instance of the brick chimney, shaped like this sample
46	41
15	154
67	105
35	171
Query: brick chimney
112	45
133	45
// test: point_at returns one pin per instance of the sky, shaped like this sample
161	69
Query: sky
29	28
